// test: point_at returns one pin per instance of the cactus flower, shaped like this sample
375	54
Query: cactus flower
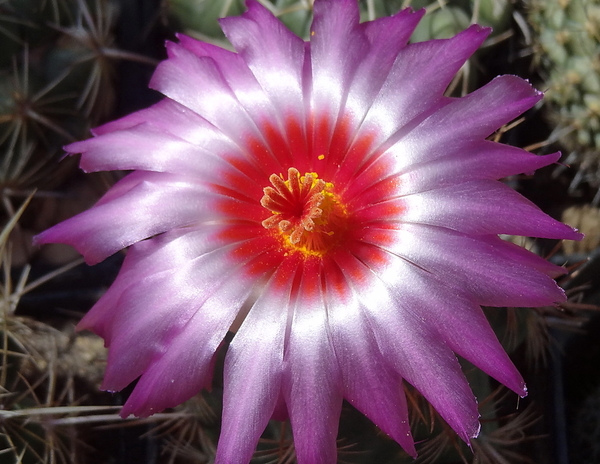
327	203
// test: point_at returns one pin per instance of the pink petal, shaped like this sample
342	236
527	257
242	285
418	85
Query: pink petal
369	383
147	148
144	259
414	87
253	370
398	318
462	121
386	37
449	310
171	117
489	269
158	313
337	46
479	344
311	378
482	207
180	77
271	120
274	55
486	160
184	366
152	204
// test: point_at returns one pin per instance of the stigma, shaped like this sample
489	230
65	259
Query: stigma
306	213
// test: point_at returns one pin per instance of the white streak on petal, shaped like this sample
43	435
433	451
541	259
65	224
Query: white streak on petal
253	370
312	379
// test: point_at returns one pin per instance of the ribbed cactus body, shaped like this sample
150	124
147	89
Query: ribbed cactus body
568	51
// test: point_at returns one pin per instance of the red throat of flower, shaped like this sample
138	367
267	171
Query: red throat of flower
307	215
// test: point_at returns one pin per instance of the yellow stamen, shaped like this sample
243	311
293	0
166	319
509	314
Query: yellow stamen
305	212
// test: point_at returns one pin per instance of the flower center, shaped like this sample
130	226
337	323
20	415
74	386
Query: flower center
306	213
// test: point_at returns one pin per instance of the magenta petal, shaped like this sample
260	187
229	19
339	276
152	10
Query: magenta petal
180	77
415	85
183	368
448	309
272	52
523	280
146	148
369	383
144	330
412	346
479	344
248	91
386	37
253	371
461	121
337	46
312	379
483	207
166	252
101	231
486	160
172	119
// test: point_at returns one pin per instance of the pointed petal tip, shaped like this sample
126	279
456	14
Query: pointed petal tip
519	387
470	433
552	157
38	240
73	148
521	87
486	30
128	410
408	445
409	10
469	429
472	436
49	236
576	235
131	410
46	237
43	238
109	385
139	413
85	324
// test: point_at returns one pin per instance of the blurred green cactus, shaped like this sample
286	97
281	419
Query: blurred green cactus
444	19
568	49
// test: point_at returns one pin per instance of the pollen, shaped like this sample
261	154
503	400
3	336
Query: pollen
306	213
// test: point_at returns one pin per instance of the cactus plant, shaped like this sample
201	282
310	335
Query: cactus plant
57	79
567	46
